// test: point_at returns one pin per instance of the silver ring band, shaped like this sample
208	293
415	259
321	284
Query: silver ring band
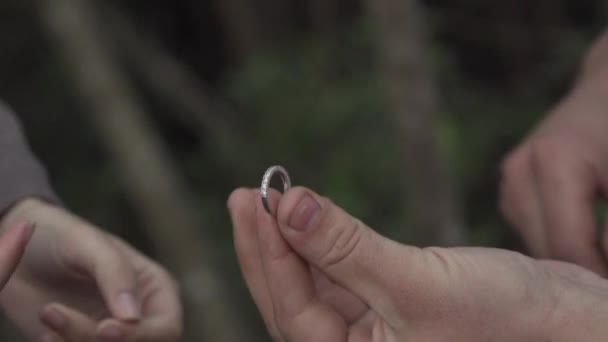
266	183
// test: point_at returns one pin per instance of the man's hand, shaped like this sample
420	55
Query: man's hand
318	274
551	182
77	283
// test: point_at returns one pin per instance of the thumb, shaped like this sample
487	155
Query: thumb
348	251
114	275
12	247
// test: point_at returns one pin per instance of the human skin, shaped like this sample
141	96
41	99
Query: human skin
317	273
78	283
13	242
552	180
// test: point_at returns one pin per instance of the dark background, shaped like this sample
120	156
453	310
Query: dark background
292	82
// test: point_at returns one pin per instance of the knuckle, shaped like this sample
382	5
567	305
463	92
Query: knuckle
438	255
345	239
546	154
444	267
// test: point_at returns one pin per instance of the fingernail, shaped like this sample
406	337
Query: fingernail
54	319
111	333
304	213
127	306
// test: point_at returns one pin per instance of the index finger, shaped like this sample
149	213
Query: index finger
243	215
291	287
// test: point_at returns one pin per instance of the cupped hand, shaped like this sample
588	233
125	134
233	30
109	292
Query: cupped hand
78	283
551	182
318	274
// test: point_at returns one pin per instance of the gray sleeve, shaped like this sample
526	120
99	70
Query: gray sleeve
21	173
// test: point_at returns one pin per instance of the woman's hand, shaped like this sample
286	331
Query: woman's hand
12	246
77	283
318	274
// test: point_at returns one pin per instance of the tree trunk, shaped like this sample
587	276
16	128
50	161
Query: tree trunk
412	99
157	193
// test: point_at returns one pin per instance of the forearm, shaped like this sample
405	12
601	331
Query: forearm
21	174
